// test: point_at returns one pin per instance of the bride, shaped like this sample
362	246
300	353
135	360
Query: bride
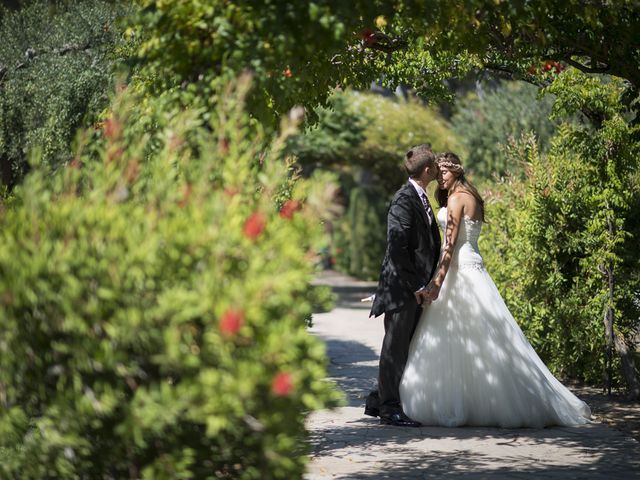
469	362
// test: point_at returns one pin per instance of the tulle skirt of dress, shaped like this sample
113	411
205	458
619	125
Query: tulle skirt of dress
470	364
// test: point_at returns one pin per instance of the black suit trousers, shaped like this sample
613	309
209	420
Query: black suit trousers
398	330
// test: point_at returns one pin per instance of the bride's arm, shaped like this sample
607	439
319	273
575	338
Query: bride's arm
455	212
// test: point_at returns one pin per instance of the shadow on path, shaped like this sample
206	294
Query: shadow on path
354	368
346	444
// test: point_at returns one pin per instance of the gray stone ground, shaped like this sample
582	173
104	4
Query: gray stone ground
349	445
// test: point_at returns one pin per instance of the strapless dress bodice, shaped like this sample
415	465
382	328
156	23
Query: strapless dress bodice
466	253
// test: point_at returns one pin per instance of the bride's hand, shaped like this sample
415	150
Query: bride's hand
432	292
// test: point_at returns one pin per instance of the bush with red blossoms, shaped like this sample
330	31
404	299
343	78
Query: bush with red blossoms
289	208
231	322
254	225
152	307
282	384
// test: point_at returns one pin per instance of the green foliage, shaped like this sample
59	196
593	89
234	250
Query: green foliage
365	131
363	137
190	47
433	40
365	232
56	61
340	130
153	312
554	241
485	123
393	127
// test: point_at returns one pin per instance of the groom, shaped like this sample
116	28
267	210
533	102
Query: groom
413	247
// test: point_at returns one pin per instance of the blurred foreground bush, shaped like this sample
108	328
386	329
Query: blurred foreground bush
153	309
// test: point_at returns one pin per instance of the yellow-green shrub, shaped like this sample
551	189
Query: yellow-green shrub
152	309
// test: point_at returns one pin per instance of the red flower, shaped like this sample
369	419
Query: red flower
231	322
547	66
111	128
289	208
282	384
287	73
254	225
368	36
223	145
186	194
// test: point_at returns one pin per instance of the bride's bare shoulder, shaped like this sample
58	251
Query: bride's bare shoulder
464	203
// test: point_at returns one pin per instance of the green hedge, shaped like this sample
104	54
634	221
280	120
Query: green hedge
56	63
153	310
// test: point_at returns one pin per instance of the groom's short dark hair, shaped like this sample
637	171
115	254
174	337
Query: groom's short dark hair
418	158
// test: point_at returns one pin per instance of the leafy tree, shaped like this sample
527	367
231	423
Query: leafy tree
188	48
485	122
368	132
419	43
56	67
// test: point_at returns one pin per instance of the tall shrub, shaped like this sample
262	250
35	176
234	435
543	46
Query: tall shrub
153	312
559	245
365	231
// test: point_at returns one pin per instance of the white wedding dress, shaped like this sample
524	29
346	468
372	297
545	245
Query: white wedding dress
470	364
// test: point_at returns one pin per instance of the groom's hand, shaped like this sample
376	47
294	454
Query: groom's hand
421	297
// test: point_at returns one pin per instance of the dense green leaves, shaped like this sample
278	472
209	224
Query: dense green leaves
56	66
509	37
560	244
153	313
288	47
485	121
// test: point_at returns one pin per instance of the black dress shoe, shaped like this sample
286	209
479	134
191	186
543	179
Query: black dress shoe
372	411
371	406
398	420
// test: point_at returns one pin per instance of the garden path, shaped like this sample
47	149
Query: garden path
346	444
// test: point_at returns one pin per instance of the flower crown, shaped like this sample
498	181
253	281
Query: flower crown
454	167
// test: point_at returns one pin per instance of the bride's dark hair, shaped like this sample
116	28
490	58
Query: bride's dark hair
452	162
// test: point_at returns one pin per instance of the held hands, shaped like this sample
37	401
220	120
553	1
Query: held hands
421	296
427	294
431	292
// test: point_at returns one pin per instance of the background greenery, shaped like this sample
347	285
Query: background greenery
362	138
138	259
57	63
488	117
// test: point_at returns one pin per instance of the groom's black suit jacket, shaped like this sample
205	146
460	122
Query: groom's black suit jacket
413	249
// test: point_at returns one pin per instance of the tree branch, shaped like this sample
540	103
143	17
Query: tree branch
384	43
31	53
584	68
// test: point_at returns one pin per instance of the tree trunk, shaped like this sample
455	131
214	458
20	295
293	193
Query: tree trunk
628	367
608	335
617	341
6	173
